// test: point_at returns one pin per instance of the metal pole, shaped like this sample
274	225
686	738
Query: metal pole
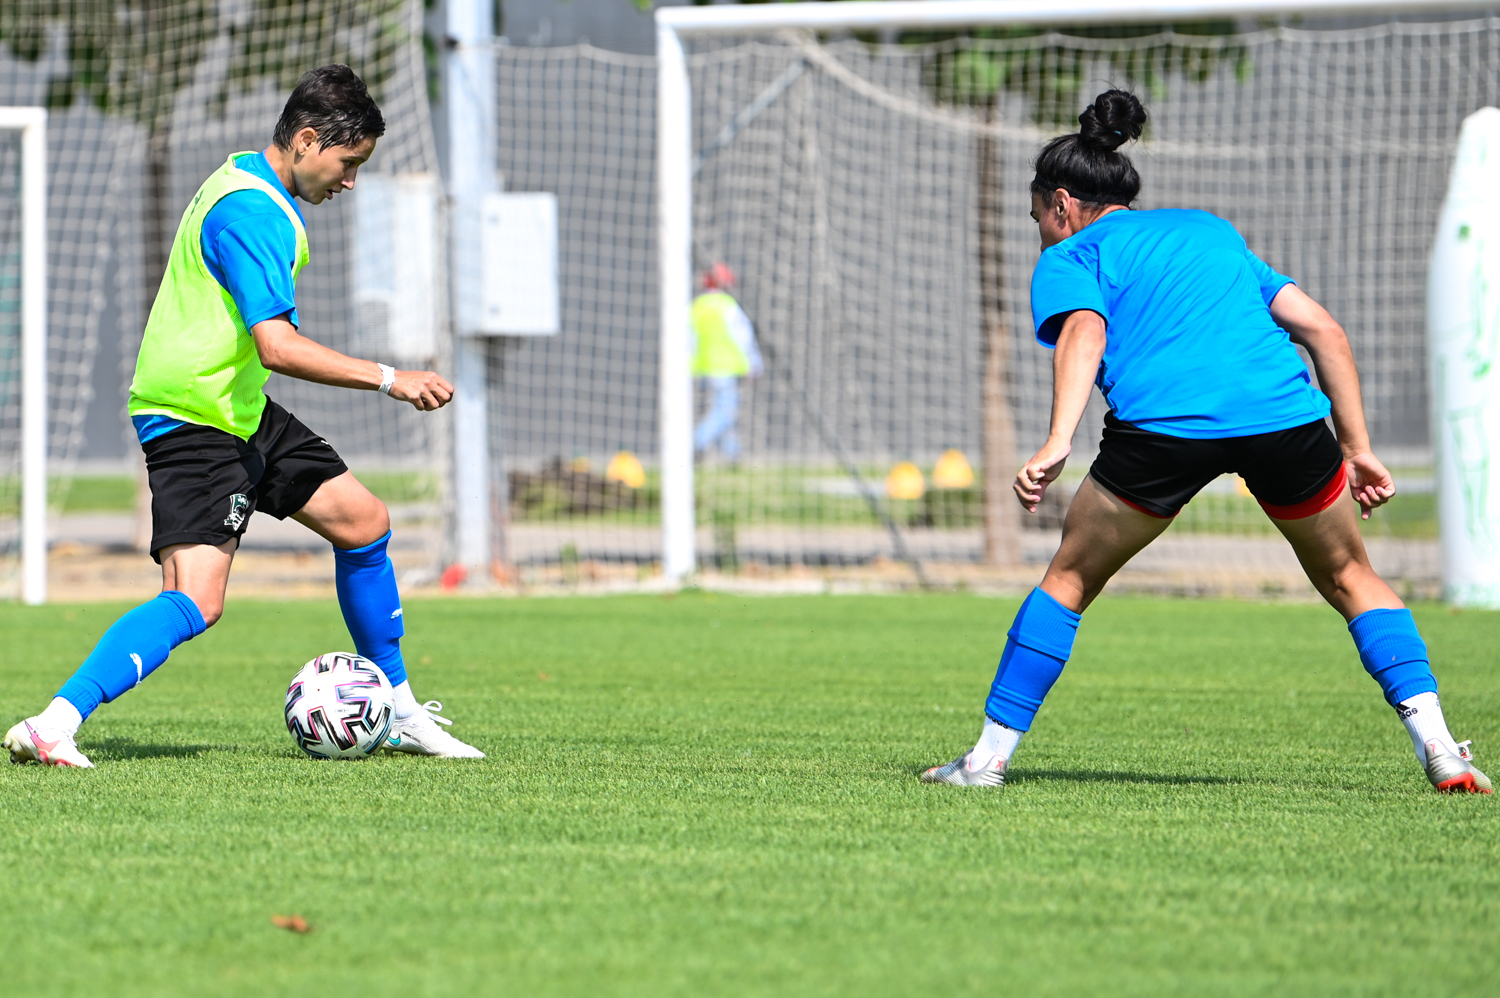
32	123
857	15
469	98
674	173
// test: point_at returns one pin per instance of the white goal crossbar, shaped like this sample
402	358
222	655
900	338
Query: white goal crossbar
675	154
31	122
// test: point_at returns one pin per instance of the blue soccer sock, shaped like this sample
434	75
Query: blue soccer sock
1037	647
366	584
1394	653
132	649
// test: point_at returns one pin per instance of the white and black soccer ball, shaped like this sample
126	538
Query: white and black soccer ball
340	706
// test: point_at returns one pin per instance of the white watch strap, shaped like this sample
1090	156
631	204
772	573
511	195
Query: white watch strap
387	378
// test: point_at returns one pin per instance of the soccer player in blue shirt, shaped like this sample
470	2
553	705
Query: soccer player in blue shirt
1191	339
218	450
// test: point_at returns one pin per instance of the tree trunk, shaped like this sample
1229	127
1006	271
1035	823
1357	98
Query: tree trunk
1002	522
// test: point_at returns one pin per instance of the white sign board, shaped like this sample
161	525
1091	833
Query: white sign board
394	262
1463	342
518	253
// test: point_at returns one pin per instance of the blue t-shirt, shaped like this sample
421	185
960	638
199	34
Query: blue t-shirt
250	247
1191	348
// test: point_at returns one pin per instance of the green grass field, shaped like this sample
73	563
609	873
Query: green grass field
708	795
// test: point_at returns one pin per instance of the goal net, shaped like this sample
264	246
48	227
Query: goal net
871	196
869	193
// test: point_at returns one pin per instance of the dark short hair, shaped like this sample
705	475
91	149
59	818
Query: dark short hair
332	101
1086	163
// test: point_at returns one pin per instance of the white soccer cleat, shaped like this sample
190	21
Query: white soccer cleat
50	748
960	773
1451	773
420	735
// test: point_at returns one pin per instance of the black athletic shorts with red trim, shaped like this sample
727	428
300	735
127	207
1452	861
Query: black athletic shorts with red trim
1292	473
205	483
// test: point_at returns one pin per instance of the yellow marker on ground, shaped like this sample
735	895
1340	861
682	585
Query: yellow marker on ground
905	482
626	469
952	471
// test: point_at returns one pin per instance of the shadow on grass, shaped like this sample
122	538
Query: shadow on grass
1107	776
1113	776
125	748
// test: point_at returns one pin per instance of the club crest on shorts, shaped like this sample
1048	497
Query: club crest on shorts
239	508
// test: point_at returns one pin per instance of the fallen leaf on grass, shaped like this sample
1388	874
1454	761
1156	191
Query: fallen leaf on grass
543	676
292	923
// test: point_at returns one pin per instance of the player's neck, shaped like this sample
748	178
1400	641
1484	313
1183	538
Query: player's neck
281	165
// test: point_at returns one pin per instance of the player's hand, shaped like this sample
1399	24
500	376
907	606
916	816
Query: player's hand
1369	482
1042	470
426	390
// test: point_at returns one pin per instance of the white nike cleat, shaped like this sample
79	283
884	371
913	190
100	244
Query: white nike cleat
960	773
420	735
28	744
1451	773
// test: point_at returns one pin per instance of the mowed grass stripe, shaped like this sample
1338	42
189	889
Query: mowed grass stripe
717	795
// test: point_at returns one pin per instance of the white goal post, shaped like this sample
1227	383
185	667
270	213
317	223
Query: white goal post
31	122
675	153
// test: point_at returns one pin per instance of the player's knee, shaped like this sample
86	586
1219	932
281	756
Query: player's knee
210	607
368	522
1353	576
378	517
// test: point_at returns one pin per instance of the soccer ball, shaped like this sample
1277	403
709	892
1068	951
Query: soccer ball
339	706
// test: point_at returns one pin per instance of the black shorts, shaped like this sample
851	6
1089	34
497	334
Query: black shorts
1292	473
205	483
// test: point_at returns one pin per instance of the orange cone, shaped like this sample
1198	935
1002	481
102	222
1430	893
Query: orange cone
905	482
626	469
952	471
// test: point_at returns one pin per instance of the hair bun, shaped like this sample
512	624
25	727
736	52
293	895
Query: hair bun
1115	117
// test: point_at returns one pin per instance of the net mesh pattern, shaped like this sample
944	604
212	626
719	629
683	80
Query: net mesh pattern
842	181
871	199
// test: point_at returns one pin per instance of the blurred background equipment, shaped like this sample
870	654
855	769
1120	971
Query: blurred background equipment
1463	335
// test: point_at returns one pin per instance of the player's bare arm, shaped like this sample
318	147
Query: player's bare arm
284	350
1075	363
316	172
1311	327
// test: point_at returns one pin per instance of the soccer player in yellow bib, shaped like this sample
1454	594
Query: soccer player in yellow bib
217	449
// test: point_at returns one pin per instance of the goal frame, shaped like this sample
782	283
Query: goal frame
31	122
674	154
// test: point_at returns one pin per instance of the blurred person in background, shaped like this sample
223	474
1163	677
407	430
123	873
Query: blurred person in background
724	352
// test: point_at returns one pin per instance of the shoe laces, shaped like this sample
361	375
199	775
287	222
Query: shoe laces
1464	752
432	707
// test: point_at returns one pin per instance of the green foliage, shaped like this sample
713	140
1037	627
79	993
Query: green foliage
133	57
1053	73
285	38
709	795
